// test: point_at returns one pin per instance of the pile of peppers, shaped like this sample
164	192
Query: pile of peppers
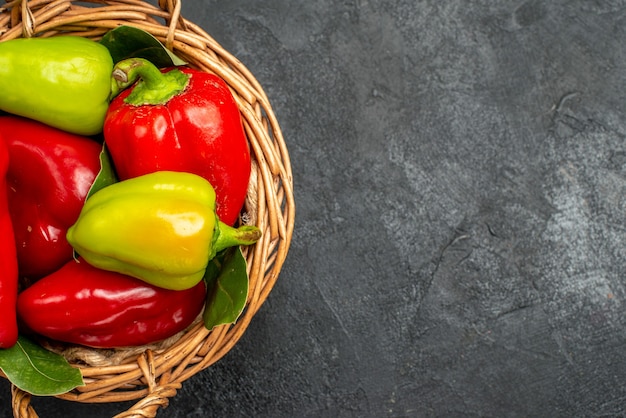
121	264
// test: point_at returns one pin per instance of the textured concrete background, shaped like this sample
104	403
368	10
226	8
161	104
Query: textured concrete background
459	249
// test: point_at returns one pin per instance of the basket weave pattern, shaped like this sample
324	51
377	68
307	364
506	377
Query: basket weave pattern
153	374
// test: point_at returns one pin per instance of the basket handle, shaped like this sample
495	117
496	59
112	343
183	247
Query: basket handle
26	17
159	393
173	8
21	403
147	407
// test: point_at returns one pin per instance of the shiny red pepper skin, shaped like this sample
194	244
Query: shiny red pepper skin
50	172
81	304
199	130
8	262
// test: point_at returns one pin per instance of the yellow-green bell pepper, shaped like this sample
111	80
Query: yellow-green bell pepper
160	227
62	81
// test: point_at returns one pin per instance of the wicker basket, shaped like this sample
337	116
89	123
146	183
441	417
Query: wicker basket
153	374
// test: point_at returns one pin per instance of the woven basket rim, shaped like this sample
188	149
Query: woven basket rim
154	373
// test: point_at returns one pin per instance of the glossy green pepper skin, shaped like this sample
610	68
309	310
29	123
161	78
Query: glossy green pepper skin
160	227
62	81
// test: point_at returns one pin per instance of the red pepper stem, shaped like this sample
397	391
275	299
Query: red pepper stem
153	86
228	236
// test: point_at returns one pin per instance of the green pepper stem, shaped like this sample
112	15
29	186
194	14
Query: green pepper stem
153	86
228	236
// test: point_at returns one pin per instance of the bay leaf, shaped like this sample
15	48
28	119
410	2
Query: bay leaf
227	288
131	42
38	371
106	176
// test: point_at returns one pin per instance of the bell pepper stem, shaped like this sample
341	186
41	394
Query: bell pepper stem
152	86
228	236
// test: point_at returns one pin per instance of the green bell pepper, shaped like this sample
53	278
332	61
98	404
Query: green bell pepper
62	81
160	228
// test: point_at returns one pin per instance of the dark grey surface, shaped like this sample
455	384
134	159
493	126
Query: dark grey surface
459	248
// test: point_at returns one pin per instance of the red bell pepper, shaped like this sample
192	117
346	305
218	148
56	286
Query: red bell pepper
49	175
81	304
179	119
8	262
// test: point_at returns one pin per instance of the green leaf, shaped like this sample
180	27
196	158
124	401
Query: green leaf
130	42
38	371
227	284
106	176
